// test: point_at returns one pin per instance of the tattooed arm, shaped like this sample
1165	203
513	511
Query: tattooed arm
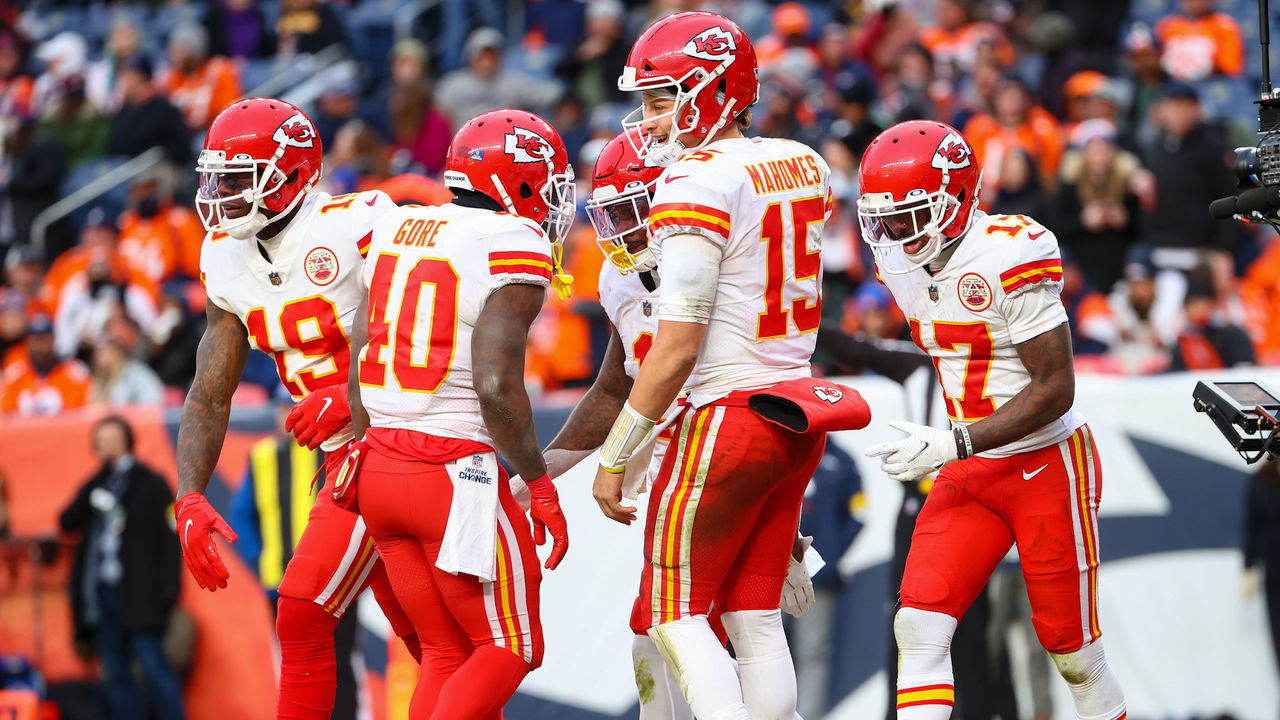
588	425
497	355
1047	358
219	363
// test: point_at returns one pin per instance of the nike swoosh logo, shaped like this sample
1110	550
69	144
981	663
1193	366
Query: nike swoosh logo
371	201
1036	236
666	179
1028	475
327	402
186	530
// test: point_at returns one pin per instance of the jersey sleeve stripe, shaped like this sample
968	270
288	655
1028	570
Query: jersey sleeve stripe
705	222
363	244
1031	277
521	256
694	208
513	268
1024	268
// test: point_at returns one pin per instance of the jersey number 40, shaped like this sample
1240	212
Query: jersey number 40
428	375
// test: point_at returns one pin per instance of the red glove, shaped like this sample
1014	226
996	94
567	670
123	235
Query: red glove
544	508
197	521
316	417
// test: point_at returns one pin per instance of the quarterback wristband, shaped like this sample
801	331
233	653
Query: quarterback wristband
628	433
964	444
541	487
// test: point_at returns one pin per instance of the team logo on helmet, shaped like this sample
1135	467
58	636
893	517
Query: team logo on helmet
711	44
527	146
952	153
297	131
974	292
321	266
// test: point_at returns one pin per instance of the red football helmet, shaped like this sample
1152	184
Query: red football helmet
519	160
920	185
618	208
706	62
259	154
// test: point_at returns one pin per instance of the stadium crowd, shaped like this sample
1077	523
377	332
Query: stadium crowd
1115	140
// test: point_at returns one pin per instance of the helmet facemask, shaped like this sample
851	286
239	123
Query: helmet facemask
244	179
921	216
621	222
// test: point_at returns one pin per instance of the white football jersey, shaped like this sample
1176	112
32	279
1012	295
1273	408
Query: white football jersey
299	306
430	272
1000	288
764	201
632	310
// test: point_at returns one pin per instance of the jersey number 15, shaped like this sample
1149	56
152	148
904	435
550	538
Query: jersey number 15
805	310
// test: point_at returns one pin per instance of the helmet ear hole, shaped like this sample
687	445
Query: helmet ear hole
526	192
960	196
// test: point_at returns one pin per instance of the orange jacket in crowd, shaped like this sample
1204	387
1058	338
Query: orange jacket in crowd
162	246
560	340
201	94
1189	44
75	261
1040	136
410	188
960	46
27	392
1260	295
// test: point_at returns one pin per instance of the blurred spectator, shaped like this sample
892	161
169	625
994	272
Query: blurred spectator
125	574
1077	92
39	384
590	70
790	23
409	66
839	75
1015	122
102	80
460	16
1098	202
120	380
64	55
308	26
1208	341
105	288
872	312
570	119
338	104
1261	544
833	502
75	123
419	130
786	114
237	29
1141	318
197	84
955	40
908	89
1192	166
1019	189
159	238
31	169
1260	294
146	118
23	279
13	328
853	124
480	87
1200	42
16	87
174	337
358	160
1144	78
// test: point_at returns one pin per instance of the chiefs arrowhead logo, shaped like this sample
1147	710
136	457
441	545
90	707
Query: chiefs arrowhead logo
527	146
297	131
952	153
828	394
711	44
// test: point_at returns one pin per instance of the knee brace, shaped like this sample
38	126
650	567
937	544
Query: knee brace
1094	688
764	663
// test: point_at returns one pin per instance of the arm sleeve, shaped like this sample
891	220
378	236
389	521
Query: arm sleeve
519	253
684	202
690	273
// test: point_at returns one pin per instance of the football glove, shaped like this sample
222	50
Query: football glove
922	451
196	523
544	508
797	589
316	417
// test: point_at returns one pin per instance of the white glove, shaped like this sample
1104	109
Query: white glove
520	491
797	590
922	451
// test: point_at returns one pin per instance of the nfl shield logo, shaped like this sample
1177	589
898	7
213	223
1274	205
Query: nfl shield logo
933	293
646	307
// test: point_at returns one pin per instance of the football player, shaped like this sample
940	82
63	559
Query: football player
1019	464
736	224
440	373
281	267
